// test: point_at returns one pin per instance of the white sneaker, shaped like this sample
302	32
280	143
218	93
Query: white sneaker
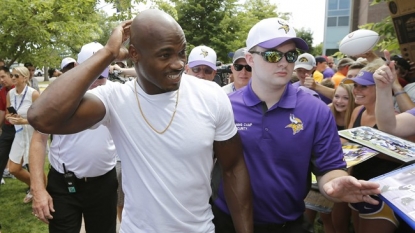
2	181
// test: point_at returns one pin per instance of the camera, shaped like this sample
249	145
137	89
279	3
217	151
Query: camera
222	73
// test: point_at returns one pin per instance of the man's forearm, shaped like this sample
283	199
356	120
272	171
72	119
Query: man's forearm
238	196
63	97
37	153
325	91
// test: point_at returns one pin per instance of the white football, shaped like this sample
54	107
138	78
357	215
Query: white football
358	42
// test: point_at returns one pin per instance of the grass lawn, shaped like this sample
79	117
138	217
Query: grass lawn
16	216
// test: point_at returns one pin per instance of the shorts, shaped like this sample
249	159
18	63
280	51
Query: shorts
120	193
380	211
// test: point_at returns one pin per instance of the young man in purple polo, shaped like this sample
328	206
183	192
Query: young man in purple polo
285	134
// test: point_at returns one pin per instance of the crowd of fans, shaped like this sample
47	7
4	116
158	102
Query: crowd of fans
270	84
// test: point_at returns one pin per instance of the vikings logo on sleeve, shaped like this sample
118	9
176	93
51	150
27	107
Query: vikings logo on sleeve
296	124
204	53
284	26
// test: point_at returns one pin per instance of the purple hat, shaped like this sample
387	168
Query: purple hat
364	78
272	32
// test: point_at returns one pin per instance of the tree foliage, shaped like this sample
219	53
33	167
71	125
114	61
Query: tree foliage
386	30
45	31
222	24
307	36
42	31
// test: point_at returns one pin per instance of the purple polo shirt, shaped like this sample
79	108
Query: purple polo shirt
279	146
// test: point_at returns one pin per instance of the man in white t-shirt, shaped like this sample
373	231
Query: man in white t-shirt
82	181
166	126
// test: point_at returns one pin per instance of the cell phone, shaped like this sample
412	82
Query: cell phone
11	110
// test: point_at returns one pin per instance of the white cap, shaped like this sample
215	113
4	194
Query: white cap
306	61
202	55
87	51
271	32
66	61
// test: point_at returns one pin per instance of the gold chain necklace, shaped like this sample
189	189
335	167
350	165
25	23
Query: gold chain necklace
144	117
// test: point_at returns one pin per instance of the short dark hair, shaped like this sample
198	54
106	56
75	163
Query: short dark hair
28	64
51	71
320	59
5	69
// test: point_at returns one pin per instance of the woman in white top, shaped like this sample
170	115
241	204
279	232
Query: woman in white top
20	98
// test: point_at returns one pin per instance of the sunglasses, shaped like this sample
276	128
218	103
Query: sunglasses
101	77
239	67
16	75
199	69
274	56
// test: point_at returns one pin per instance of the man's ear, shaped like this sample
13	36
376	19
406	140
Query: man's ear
249	59
134	54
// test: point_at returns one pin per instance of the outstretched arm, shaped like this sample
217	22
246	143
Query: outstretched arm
386	120
337	186
64	107
325	91
236	183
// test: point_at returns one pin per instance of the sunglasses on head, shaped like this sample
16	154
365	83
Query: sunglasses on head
239	67
206	70
274	56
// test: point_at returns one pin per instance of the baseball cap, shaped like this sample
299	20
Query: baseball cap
87	51
321	59
240	53
202	55
345	62
364	78
66	61
306	61
271	32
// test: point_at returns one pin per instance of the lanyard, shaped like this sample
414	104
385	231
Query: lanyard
21	101
233	87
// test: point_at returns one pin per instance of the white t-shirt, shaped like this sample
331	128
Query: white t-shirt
89	153
166	178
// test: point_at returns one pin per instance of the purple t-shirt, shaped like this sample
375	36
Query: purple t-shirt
282	146
328	72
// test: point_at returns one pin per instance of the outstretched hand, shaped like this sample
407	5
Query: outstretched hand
119	36
385	75
349	189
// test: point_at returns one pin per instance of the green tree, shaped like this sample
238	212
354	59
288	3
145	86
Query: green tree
43	31
386	30
222	24
307	36
318	50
